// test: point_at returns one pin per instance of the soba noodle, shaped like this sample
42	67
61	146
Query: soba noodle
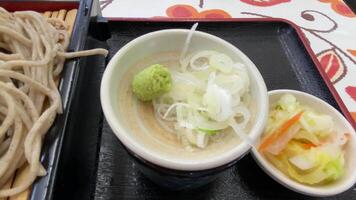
32	55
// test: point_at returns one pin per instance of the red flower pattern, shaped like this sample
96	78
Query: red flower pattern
340	7
264	3
352	51
351	90
187	11
332	64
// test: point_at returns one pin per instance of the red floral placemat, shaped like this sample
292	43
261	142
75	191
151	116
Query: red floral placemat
329	25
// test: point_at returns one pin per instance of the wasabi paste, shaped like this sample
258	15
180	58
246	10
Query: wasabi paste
152	82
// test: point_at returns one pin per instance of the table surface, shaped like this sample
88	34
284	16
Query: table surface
329	25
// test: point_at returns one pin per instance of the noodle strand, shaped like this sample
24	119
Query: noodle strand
32	56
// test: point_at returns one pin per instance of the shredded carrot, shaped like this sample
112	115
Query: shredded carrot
280	131
309	145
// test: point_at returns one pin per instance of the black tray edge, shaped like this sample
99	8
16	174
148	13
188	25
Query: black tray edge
43	187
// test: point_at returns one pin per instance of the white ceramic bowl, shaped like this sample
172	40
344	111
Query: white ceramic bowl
341	124
167	41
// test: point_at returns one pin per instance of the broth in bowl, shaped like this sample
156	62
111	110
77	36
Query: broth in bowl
161	135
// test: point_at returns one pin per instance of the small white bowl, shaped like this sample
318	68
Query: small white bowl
336	187
166	41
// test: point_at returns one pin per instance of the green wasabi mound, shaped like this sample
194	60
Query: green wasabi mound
152	82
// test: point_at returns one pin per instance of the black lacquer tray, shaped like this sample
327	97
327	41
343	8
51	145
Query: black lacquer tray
94	165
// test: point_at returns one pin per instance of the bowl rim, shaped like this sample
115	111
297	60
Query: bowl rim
283	179
144	153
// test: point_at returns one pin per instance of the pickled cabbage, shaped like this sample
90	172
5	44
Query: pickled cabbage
311	151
